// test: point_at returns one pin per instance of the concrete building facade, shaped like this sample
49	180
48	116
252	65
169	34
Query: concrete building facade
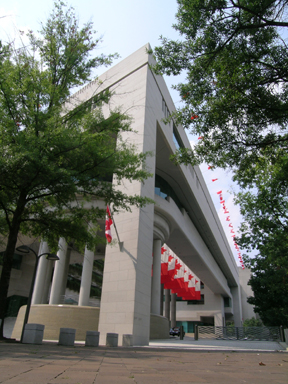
183	217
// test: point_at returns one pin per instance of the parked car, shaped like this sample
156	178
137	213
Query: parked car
175	331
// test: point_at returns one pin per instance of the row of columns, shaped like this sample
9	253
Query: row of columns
59	281
58	286
156	297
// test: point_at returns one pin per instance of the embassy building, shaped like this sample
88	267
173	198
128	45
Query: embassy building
183	217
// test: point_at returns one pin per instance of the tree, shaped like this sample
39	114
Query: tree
265	210
270	286
235	100
252	322
236	62
56	156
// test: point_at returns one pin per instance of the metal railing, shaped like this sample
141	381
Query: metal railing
239	333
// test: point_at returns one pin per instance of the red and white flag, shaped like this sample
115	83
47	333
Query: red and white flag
108	224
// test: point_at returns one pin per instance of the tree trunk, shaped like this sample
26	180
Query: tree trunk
8	258
5	275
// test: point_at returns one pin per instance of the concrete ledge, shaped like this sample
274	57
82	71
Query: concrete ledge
159	327
55	317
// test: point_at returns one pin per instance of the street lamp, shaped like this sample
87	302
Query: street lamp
50	256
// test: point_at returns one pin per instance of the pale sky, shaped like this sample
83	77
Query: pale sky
126	25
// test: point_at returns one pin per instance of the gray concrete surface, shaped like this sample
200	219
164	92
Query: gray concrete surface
52	364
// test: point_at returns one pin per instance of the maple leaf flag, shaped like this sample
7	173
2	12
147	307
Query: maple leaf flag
108	224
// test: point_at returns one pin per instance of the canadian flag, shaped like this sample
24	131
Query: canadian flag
108	224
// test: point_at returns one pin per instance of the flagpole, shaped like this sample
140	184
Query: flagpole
120	242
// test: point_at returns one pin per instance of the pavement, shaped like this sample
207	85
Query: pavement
168	361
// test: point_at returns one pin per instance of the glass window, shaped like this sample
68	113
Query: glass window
163	189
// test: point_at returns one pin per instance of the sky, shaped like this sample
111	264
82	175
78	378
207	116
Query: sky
125	26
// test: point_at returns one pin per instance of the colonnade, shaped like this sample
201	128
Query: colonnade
60	275
156	297
59	280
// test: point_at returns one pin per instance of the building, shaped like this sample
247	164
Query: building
183	217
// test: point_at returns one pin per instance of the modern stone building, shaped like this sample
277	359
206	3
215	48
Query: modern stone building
183	217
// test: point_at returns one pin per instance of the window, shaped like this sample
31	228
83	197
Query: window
177	139
165	109
163	189
196	302
227	302
17	260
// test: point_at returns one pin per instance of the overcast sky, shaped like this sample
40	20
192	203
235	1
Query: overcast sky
126	25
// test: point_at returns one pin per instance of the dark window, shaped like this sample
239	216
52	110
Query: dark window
163	189
227	302
196	302
177	139
17	260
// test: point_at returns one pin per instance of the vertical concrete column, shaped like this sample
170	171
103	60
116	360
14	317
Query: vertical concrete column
65	275
86	277
47	283
59	272
40	280
161	299
237	309
173	310
167	303
156	278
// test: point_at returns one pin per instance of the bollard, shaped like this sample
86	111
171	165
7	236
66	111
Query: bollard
182	333
112	340
196	332
127	340
67	336
33	334
92	339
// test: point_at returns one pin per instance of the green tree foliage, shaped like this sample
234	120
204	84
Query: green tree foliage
56	155
252	322
265	209
269	283
235	97
236	63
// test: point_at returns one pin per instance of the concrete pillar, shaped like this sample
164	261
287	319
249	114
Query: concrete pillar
162	299
41	275
65	276
237	309
167	303
47	282
173	310
86	278
59	272
156	278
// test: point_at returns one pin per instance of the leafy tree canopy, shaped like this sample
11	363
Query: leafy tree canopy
270	286
54	159
235	56
252	322
235	99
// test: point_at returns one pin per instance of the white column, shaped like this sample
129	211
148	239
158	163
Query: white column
167	303
65	275
59	271
173	310
237	308
86	278
156	278
47	282
41	275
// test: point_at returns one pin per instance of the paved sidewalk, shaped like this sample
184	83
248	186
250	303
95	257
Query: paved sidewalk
53	364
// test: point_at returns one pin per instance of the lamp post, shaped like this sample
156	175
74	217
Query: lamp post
50	256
